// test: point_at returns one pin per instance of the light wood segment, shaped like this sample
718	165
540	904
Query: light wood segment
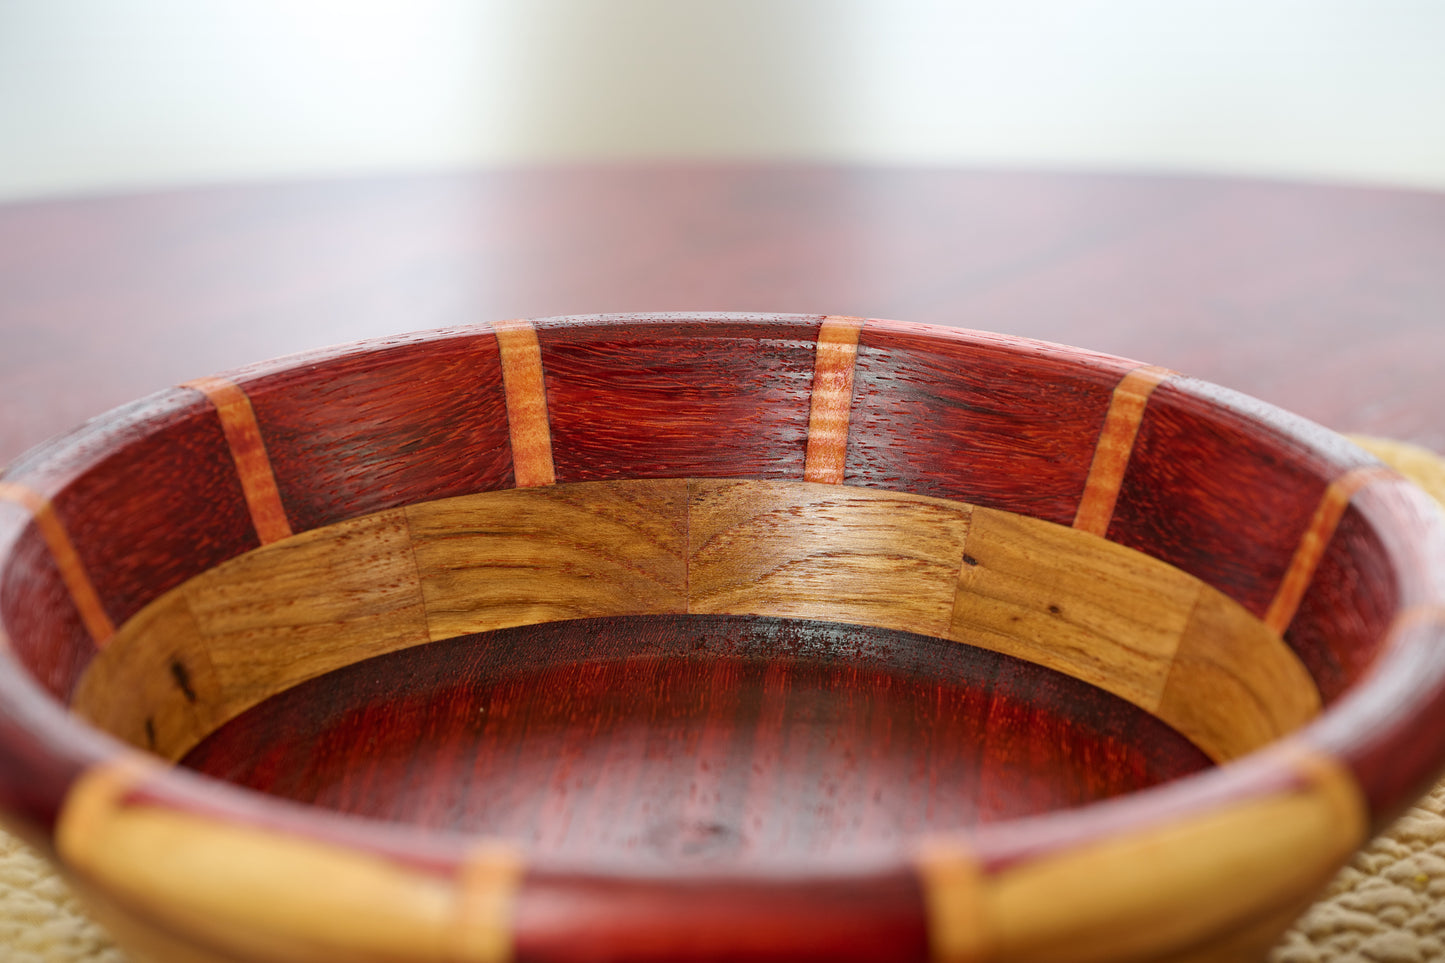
248	448
290	612
517	557
1116	444
155	686
72	570
952	884
1234	684
526	389
144	940
260	623
1165	886
1087	607
1253	939
1052	595
832	400
1315	540
218	882
824	552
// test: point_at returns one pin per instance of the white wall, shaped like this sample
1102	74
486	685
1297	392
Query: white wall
115	94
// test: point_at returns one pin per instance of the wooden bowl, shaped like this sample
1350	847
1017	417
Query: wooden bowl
711	638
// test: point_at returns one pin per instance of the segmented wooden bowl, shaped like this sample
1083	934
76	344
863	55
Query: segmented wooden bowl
711	638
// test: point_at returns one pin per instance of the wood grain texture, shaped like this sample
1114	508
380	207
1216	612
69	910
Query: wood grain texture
65	560
1076	603
854	919
1233	685
133	456
1115	445
1224	488
248	448
832	400
1082	624
761	742
330	903
1385	731
956	417
39	758
526	389
679	399
817	551
533	555
261	623
1046	593
1311	548
1343	619
364	429
37	609
1159	894
158	690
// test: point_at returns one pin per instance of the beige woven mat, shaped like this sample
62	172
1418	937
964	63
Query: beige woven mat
1388	906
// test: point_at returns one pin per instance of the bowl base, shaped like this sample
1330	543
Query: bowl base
708	738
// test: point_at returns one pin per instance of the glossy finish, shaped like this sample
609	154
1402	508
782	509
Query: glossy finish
630	677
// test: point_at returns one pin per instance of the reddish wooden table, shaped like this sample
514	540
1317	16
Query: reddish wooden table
1326	300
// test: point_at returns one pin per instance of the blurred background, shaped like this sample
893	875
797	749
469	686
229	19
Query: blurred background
102	96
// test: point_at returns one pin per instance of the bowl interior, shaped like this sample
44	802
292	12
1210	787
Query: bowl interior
742	590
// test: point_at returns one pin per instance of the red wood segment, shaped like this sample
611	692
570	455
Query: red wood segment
573	918
359	431
1311	548
969	416
41	751
1342	618
1224	487
166	460
63	557
1391	731
37	609
653	398
535	734
1381	734
253	465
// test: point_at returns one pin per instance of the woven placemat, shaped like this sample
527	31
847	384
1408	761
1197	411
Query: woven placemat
1388	906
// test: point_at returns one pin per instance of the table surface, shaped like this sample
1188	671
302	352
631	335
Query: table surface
1324	299
1327	300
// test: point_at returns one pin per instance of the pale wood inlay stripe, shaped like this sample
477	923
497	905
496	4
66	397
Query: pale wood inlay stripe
953	888
526	390
248	449
72	571
832	400
1116	445
1316	539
